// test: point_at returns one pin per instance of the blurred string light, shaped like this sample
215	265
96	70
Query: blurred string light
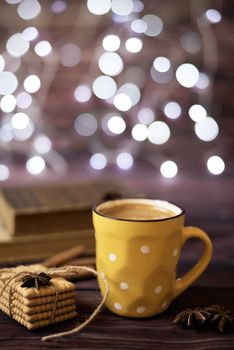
99	7
35	165
85	124
8	83
132	91
134	45
111	42
122	102
207	129
42	144
172	110
154	25
213	16
30	33
2	63
23	100
70	55
110	63
29	9
4	172
98	161
215	165
16	45
197	113
140	132
58	6
43	48
138	26
32	83
8	103
122	7
124	160
20	121
104	87
162	64
158	132
187	75
116	124
169	169
146	115
82	93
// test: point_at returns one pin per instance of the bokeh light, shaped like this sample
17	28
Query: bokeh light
138	26
203	81
104	87
98	161
111	42
134	45
122	102
116	124
122	7
138	6
70	55
191	42
43	48
2	63
85	124
99	7
187	75
23	100
161	78
207	130
16	45
35	165
215	165
29	9
4	172
82	93
168	169
110	63
8	83
172	110
135	75
42	144
162	64
12	64
124	160
30	33
23	134
140	132
132	91
213	16
197	113
158	132
146	115
154	25
32	83
58	6
20	121
8	103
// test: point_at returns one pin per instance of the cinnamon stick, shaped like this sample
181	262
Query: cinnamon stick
65	256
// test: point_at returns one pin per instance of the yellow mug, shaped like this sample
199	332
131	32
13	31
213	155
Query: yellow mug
139	257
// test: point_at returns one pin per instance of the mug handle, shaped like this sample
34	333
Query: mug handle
184	282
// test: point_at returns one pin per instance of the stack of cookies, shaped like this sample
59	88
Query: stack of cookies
39	305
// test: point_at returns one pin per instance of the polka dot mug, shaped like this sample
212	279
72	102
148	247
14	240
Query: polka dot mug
138	254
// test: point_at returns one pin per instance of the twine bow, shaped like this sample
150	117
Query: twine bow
65	272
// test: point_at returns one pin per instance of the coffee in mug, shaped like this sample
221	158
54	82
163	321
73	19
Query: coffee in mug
138	245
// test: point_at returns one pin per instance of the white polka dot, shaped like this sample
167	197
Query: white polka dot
118	306
158	289
112	257
145	249
140	309
164	304
124	285
175	252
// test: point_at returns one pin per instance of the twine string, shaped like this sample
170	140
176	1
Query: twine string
65	272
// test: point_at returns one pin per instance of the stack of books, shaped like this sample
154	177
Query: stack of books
37	222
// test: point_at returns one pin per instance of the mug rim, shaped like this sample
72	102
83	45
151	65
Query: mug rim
94	209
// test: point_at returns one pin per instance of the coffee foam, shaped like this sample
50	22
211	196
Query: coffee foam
108	208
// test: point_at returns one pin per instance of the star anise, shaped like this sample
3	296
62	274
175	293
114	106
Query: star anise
192	317
35	280
221	316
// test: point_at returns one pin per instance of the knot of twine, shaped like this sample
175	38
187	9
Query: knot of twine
65	272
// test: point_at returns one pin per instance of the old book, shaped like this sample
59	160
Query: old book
48	209
21	249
